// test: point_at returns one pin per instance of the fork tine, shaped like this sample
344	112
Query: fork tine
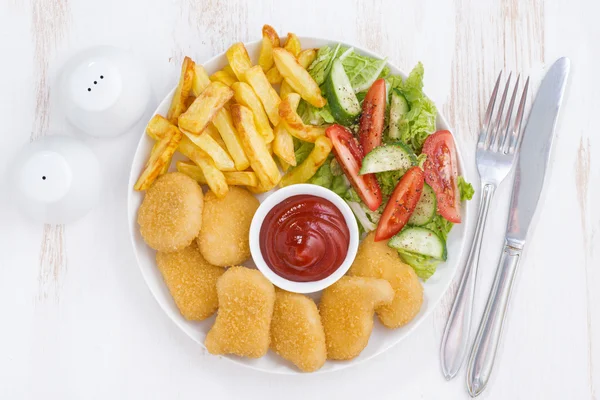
503	138
488	113
496	126
517	131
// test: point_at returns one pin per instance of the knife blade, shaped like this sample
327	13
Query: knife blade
530	174
535	152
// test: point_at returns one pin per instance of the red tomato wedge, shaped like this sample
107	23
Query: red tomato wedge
441	173
349	155
401	204
372	117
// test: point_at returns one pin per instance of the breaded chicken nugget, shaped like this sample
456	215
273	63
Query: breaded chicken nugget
296	331
347	309
170	216
377	260
224	238
191	280
246	300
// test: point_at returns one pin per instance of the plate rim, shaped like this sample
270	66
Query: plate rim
132	222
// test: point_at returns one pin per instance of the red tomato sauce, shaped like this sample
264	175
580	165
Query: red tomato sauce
304	238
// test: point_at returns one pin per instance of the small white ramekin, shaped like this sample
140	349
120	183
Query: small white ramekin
276	198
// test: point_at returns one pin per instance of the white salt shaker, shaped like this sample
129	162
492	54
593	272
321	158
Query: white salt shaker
104	91
56	179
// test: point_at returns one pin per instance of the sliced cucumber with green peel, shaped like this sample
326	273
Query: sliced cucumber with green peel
417	240
398	109
390	157
340	95
425	209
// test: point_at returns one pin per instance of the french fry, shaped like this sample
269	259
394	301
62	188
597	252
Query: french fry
292	44
159	128
298	78
239	60
214	177
269	42
285	89
236	178
200	81
274	76
178	103
224	125
160	156
228	69
212	148
283	145
303	172
223	77
245	96
293	123
204	108
213	132
305	58
284	166
255	147
265	92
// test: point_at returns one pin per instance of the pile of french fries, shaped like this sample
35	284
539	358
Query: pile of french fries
235	126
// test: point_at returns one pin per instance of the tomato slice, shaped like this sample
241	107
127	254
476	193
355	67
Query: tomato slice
372	117
441	173
349	155
401	204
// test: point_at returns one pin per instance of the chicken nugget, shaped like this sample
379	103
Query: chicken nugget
347	309
246	300
191	280
170	216
296	331
224	239
377	260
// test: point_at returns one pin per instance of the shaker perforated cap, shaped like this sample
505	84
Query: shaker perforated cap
104	91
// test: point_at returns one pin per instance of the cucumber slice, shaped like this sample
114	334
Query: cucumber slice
340	95
390	157
426	207
421	241
398	109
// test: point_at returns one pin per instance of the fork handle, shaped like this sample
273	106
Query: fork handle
456	334
482	358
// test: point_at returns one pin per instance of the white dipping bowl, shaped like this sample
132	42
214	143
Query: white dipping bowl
276	198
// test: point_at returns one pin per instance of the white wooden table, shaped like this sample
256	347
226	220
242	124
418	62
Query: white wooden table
77	319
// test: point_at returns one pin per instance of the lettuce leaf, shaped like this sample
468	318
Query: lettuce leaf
302	150
424	266
419	122
315	116
440	226
465	188
388	180
362	70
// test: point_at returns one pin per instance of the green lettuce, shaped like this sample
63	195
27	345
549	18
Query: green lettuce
302	150
319	69
315	116
465	188
362	70
419	122
388	180
424	266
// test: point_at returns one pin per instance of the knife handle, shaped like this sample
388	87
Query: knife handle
488	336
456	333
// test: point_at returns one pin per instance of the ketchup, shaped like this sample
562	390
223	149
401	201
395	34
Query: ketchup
304	238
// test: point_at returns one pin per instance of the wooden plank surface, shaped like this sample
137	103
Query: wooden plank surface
78	320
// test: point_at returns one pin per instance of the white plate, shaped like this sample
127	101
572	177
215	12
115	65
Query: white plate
381	339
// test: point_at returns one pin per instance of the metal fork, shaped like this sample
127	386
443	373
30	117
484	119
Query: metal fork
497	149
